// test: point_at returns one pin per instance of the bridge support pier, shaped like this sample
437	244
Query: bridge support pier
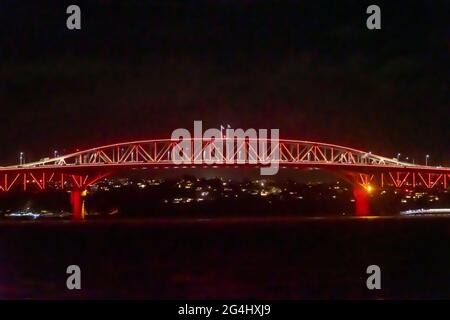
77	204
361	201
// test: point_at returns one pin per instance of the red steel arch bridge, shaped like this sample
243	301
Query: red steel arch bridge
77	171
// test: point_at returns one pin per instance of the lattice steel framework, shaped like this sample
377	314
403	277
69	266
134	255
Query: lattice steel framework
160	152
84	168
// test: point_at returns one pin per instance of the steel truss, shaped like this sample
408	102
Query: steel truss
84	168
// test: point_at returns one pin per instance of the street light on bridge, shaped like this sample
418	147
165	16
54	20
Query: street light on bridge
21	157
222	128
426	159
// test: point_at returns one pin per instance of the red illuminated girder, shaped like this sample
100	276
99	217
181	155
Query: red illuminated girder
414	179
365	180
83	168
160	151
358	179
399	179
81	177
41	180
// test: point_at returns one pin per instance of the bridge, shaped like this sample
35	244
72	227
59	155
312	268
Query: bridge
77	171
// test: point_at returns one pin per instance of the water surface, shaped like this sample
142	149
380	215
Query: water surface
241	257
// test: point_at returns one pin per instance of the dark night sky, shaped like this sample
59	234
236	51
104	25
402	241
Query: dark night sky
139	69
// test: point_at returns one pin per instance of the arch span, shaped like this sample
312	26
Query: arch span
159	151
83	168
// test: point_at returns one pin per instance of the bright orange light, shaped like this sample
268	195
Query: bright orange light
369	188
84	193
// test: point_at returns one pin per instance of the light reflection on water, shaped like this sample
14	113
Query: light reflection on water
215	220
211	257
